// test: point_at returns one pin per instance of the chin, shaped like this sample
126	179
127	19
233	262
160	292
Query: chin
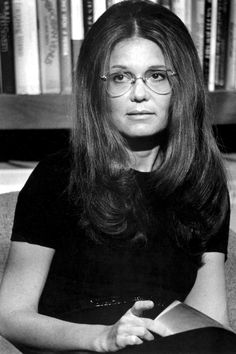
143	133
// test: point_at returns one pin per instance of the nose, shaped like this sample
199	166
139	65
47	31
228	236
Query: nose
139	90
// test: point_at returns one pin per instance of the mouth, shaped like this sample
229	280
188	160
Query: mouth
137	113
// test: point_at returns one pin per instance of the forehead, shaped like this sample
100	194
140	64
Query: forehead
136	53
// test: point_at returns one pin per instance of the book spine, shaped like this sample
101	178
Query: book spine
166	3
88	14
221	42
6	47
65	46
178	7
198	21
49	46
182	8
26	50
212	59
207	40
231	51
99	6
112	2
188	15
77	29
0	75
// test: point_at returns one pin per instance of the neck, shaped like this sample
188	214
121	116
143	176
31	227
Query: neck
144	161
144	152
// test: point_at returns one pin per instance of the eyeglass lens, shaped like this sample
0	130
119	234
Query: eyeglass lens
119	83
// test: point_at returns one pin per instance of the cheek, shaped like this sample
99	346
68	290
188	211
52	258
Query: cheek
163	108
117	109
163	103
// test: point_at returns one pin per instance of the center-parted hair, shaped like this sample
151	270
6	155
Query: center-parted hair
190	180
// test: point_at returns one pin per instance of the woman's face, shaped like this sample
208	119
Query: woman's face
139	112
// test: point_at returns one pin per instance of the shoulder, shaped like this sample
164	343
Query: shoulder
43	202
54	164
50	175
47	187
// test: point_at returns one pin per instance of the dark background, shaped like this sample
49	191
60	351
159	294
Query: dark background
33	145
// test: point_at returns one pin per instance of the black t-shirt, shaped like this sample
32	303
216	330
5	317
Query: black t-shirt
84	273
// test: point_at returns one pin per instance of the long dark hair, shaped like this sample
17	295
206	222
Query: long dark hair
190	178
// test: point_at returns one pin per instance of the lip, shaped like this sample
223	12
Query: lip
139	113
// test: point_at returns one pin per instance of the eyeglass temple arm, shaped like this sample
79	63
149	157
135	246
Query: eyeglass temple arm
103	77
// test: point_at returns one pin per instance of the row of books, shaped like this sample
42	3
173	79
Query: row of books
36	45
212	24
40	41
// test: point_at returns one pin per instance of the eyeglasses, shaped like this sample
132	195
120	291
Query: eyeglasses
119	83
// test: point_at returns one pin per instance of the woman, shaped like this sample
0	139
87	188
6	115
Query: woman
136	214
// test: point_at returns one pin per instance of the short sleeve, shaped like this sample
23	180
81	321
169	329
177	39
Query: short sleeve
41	204
219	241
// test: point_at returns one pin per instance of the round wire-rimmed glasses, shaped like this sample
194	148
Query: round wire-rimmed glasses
120	82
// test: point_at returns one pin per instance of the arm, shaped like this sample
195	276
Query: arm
208	294
23	282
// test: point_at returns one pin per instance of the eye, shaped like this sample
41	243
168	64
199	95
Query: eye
157	75
120	78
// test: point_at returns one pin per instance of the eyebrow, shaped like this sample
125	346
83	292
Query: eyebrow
152	67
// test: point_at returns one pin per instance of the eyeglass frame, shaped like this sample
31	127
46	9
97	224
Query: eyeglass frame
134	78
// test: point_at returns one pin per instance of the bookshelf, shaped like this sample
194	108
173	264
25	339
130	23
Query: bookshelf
21	112
49	115
223	105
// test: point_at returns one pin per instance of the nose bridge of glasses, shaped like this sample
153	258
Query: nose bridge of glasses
136	78
139	88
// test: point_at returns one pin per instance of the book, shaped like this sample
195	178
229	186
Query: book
99	6
49	46
77	29
221	42
180	317
0	75
212	46
6	47
65	46
26	49
157	2
198	21
112	2
88	14
231	51
188	15
183	9
207	40
166	3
